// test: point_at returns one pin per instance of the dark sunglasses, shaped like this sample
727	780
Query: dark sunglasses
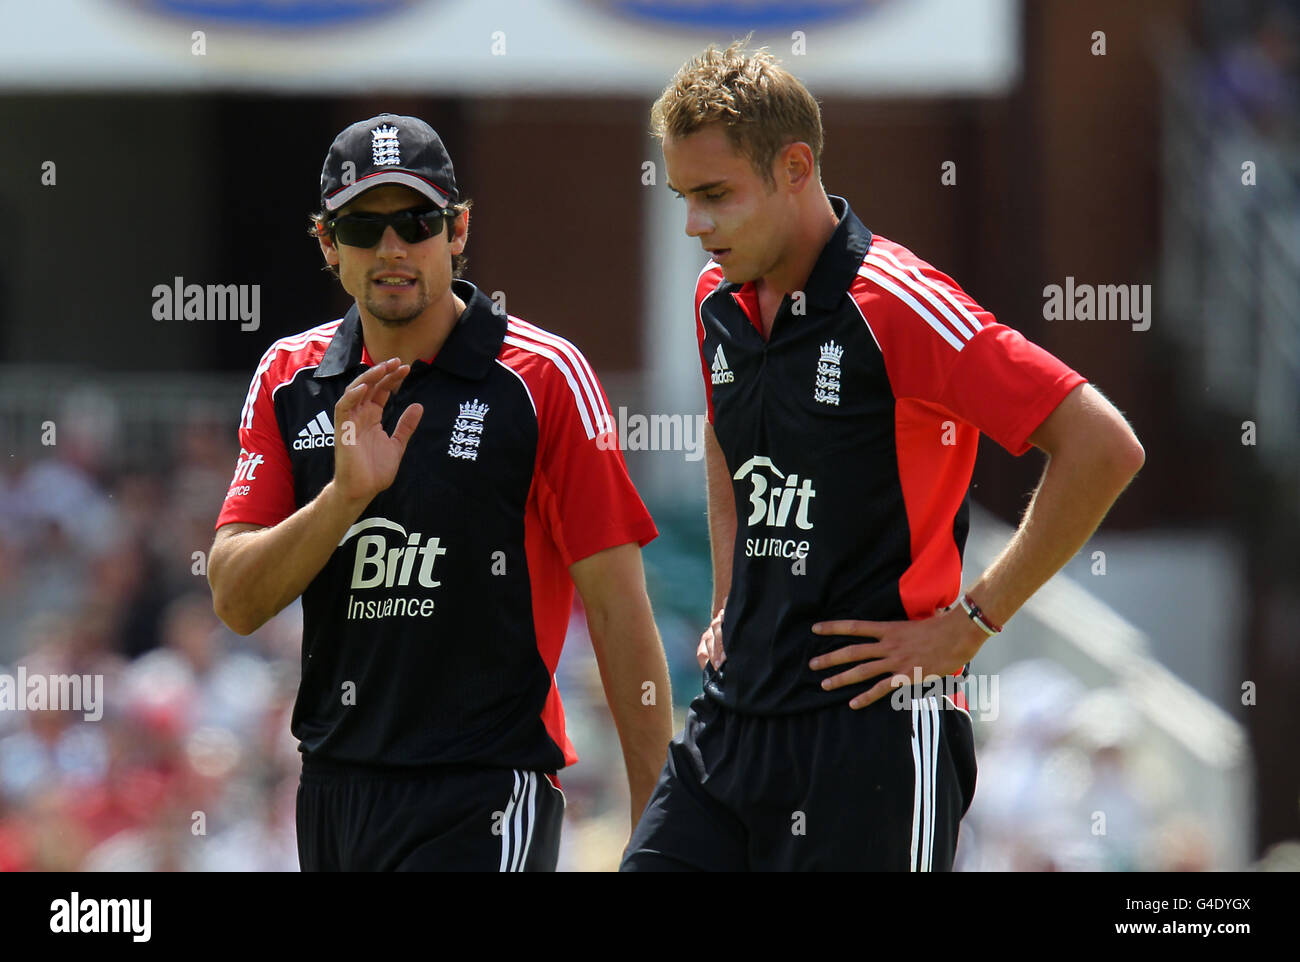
365	230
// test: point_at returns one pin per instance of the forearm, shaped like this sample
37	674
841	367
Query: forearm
635	676
1072	498
254	575
722	519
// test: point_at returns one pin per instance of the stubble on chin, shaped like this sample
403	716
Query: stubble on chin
395	316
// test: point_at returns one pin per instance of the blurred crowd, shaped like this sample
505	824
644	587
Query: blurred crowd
192	766
1068	782
1252	66
103	572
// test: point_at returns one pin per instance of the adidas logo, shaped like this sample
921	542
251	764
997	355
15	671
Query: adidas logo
318	433
722	373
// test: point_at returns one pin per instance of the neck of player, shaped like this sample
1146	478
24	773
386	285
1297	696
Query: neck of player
814	224
418	339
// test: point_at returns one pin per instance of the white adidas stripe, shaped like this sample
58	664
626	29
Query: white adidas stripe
877	277
505	825
930	727
585	374
854	302
531	821
916	789
523	829
584	410
527	391
568	348
924	291
323	333
939	289
934	778
516	829
925	761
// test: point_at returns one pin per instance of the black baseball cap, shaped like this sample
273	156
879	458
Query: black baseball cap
388	149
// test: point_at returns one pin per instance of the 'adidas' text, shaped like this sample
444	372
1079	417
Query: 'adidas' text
318	433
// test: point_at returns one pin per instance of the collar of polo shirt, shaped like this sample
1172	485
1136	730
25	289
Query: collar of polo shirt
470	348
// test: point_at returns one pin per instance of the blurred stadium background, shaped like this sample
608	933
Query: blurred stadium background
1155	686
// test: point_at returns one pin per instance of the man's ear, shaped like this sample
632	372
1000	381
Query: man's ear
327	248
460	232
795	166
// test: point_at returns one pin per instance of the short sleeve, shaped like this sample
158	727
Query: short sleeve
261	492
1006	385
941	347
589	502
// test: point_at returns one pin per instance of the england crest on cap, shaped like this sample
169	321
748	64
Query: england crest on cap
384	146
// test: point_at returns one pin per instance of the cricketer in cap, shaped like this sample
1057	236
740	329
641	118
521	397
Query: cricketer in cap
513	498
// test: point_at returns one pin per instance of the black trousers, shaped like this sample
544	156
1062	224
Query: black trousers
879	789
442	819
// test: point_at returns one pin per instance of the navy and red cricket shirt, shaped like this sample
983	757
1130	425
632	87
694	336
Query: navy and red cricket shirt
432	634
850	435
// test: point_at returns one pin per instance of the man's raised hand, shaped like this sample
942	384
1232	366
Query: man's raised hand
366	458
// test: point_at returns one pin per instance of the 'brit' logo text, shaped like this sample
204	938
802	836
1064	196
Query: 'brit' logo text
378	563
775	503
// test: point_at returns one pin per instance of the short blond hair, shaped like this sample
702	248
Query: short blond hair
761	105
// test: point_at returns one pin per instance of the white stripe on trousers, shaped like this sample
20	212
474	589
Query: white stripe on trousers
925	761
505	825
525	830
516	828
532	811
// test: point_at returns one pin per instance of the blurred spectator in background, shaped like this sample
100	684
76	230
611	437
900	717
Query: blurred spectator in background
1059	788
1254	74
192	766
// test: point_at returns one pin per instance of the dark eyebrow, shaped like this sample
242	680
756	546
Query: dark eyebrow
700	189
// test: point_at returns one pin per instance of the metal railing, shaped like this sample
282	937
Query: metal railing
131	416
